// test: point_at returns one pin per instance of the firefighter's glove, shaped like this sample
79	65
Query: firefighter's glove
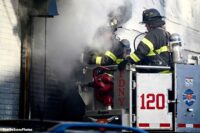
89	58
123	64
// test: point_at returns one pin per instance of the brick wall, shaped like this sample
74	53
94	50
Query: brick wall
9	59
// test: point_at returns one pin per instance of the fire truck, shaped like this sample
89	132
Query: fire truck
151	101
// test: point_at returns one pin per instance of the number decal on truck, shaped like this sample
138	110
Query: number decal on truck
152	101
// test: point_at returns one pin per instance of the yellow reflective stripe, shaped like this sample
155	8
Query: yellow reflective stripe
160	50
166	71
148	43
134	57
151	53
119	61
111	55
98	60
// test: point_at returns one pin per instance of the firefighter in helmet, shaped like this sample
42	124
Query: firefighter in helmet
116	53
112	55
102	77
153	48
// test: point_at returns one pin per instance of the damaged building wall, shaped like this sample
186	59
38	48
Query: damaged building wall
10	48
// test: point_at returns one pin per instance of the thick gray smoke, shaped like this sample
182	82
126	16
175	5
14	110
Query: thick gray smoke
75	27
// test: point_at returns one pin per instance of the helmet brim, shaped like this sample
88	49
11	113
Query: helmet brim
154	21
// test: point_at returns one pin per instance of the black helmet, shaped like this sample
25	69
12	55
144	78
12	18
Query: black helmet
113	24
152	16
126	46
125	43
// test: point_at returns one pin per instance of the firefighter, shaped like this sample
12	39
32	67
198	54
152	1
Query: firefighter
153	48
118	51
103	79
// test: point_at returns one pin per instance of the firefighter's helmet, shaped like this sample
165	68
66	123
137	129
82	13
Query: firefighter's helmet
126	45
152	16
113	24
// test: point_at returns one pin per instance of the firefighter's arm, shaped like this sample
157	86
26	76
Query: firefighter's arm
90	56
145	47
107	59
111	56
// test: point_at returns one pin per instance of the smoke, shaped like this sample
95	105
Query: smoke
74	29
